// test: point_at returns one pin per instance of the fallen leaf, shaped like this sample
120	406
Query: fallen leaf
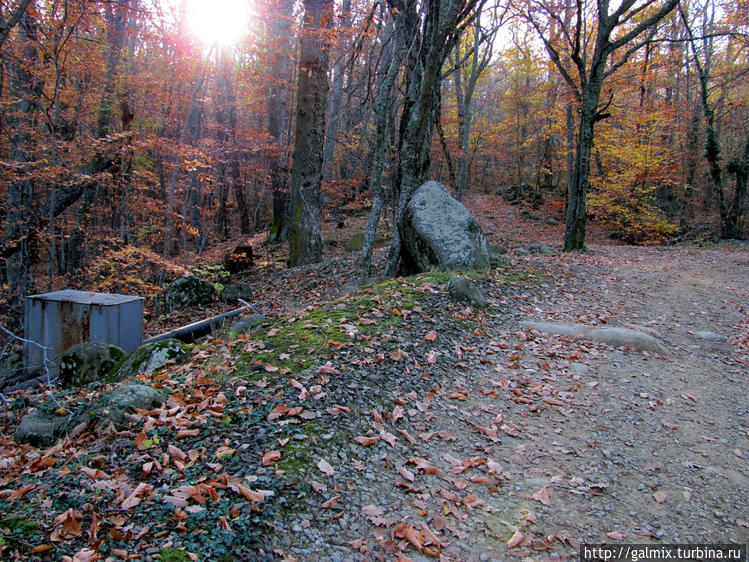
366	441
271	457
21	492
325	467
543	496
407	474
71	527
372	511
317	486
616	536
516	539
660	497
331	502
241	488
431	336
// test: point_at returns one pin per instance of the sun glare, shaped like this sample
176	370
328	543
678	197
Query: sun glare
219	22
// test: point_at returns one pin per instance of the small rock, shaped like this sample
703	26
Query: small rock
89	362
522	252
541	249
712	337
41	429
463	290
248	324
235	291
551	221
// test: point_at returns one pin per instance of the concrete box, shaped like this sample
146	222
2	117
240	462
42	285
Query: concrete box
63	319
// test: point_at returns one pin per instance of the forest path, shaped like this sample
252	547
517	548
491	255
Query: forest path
667	438
536	443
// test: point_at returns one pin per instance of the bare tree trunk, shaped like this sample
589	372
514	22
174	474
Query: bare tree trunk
26	89
279	32
305	236
337	97
388	73
740	169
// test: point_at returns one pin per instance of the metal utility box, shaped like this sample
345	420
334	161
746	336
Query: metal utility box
63	319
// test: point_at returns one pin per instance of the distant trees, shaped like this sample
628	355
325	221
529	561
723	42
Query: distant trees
118	129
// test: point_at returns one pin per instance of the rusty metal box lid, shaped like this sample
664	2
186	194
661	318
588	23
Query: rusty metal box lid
85	297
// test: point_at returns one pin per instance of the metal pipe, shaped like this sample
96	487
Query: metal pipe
196	330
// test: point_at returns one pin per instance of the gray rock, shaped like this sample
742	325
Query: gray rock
522	252
497	250
437	231
42	429
712	337
463	290
151	356
551	221
188	291
624	336
248	324
89	362
574	331
541	249
609	335
126	399
235	291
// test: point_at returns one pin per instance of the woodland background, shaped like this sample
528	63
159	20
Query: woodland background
128	148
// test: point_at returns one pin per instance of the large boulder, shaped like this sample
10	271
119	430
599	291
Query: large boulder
89	362
188	290
151	356
438	232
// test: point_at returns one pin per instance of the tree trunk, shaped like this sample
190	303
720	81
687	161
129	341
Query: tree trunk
337	98
279	32
305	236
26	89
740	168
575	227
391	60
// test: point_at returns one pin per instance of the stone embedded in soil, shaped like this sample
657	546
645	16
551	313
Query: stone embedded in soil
464	290
712	337
615	337
41	429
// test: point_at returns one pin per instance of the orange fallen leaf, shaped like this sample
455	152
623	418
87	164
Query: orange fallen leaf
271	457
21	492
182	433
241	488
140	440
71	527
41	548
431	336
